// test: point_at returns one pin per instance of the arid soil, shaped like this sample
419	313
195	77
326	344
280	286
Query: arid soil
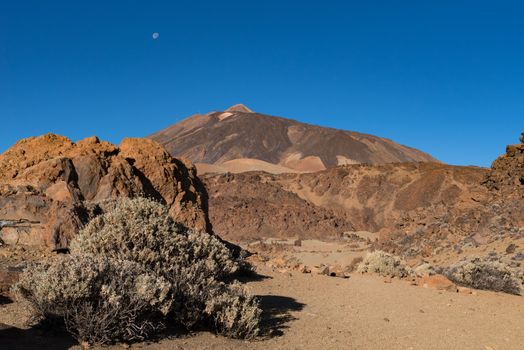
310	311
239	139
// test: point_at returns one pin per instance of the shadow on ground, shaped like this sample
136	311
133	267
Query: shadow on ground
5	300
33	339
250	276
276	313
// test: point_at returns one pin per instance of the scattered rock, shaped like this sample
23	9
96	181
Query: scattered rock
304	269
438	282
510	249
320	270
337	271
278	262
464	290
518	257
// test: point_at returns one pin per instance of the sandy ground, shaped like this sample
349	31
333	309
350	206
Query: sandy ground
304	311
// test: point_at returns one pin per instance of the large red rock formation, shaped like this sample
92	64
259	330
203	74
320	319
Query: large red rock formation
47	185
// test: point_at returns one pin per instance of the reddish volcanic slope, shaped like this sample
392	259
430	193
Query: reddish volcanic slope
239	140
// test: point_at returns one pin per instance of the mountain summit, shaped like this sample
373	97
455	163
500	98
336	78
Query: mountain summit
238	140
239	108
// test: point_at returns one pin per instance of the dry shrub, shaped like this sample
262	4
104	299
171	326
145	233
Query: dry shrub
195	266
101	300
424	269
141	230
484	274
233	311
384	264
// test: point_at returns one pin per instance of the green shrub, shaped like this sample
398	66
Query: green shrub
384	264
101	300
484	274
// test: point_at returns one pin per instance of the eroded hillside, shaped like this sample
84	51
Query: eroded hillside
417	208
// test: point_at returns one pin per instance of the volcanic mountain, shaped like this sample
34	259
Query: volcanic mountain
238	140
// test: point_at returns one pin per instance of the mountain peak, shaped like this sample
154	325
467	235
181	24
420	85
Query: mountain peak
275	144
239	108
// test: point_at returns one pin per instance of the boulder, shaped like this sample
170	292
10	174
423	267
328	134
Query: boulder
48	185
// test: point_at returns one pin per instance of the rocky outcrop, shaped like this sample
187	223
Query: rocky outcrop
506	183
409	198
418	209
507	171
48	185
250	205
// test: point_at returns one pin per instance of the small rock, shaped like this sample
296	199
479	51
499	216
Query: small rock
439	282
320	270
337	271
387	279
519	256
278	262
464	290
510	249
304	269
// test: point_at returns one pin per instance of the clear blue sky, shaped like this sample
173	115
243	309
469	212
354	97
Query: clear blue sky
446	77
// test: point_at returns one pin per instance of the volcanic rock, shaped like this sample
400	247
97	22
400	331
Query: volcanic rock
254	205
239	140
48	185
438	282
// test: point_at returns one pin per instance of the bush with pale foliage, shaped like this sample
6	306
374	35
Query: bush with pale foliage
384	264
191	268
484	274
99	299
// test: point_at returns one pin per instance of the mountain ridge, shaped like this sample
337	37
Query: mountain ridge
243	135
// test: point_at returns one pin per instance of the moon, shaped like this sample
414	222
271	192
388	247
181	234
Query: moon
155	35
